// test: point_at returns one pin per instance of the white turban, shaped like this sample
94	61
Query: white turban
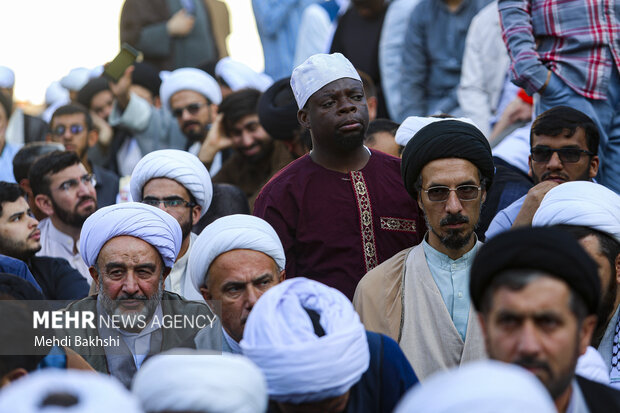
188	78
317	71
232	232
581	203
56	93
191	380
177	165
95	393
479	387
413	124
239	76
76	79
146	222
300	366
7	77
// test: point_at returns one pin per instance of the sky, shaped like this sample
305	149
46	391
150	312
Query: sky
42	40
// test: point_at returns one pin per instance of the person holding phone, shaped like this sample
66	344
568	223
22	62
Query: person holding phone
176	33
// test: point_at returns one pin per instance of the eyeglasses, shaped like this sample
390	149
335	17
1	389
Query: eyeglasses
192	108
463	192
567	155
61	129
72	184
168	202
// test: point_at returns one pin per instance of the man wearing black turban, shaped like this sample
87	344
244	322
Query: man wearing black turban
419	296
537	292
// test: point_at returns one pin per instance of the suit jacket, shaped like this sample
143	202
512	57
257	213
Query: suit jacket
599	397
400	299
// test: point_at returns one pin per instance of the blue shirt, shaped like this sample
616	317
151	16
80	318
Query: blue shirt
504	218
16	267
6	162
452	279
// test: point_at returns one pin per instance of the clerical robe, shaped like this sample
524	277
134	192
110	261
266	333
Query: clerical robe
400	299
335	227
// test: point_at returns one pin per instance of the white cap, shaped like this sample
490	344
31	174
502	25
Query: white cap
317	71
188	78
413	124
7	77
76	79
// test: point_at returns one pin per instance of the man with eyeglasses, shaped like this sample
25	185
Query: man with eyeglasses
72	126
564	147
178	183
64	191
419	297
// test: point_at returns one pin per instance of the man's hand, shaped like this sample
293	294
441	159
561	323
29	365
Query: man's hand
516	111
180	24
104	130
532	201
120	89
216	141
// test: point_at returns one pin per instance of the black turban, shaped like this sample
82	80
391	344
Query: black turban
277	110
445	139
543	249
90	89
147	76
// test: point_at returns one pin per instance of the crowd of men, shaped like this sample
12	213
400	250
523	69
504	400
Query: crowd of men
415	208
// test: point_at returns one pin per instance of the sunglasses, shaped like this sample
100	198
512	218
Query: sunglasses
61	129
567	155
192	108
463	192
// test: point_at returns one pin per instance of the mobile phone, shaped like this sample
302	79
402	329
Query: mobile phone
189	6
125	58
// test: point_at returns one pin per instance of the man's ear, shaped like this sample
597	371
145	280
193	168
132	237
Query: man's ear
213	108
372	103
94	274
44	203
529	164
92	138
282	276
12	376
302	117
166	273
206	293
594	164
196	214
484	195
585	334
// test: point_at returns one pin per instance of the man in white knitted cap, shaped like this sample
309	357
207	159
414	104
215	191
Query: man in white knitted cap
196	381
130	249
342	209
234	261
178	183
316	356
591	214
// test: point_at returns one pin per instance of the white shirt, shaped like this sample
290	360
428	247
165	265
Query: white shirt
55	243
175	281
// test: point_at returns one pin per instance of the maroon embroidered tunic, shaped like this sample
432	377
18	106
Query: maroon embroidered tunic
335	227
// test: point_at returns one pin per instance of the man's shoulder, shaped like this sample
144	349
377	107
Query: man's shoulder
296	171
599	397
175	304
87	303
387	270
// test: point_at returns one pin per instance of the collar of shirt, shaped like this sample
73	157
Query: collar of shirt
444	262
577	403
234	346
55	235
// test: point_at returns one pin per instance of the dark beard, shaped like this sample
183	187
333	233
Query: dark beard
349	142
453	240
186	226
17	249
72	218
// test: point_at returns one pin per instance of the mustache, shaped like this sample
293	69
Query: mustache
546	175
135	296
84	199
190	123
530	362
453	219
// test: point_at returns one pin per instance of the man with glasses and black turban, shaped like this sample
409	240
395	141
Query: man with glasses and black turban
564	148
419	297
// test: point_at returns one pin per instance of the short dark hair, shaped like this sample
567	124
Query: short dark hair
49	164
555	121
517	279
9	192
72	109
238	105
380	125
26	156
370	89
608	246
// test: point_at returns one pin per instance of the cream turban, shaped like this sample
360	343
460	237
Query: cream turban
188	78
191	380
93	392
317	71
177	165
300	366
239	76
76	79
56	93
225	234
479	387
413	124
581	203
7	77
138	220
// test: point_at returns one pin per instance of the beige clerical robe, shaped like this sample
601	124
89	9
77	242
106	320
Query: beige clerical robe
400	299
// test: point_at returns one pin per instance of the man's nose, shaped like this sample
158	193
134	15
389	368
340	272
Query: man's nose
130	284
555	162
247	139
529	340
453	203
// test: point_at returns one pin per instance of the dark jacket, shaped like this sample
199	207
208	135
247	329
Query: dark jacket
599	398
107	186
58	279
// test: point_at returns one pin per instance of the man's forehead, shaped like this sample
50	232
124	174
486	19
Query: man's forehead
244	260
455	169
69	119
186	97
542	292
164	187
75	171
9	208
344	83
128	246
563	139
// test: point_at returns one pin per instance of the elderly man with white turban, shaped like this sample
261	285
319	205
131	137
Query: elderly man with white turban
316	355
591	213
342	209
234	261
130	249
178	183
197	381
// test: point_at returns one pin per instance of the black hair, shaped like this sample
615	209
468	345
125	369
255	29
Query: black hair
370	89
380	125
49	164
564	121
9	192
238	105
72	109
26	156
